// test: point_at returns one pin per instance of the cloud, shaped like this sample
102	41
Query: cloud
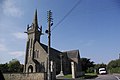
3	47
11	9
20	35
17	53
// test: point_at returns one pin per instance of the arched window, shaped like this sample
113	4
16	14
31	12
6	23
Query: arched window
29	53
31	43
37	53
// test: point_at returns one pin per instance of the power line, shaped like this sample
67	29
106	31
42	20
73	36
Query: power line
67	14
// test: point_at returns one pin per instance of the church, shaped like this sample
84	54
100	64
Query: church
36	57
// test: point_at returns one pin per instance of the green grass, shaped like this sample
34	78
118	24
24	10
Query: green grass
86	76
90	75
68	76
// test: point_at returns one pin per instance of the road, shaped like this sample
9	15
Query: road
101	77
107	77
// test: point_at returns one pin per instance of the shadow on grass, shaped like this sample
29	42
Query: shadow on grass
89	76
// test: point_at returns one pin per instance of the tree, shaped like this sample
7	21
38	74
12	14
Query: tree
114	66
4	67
21	68
14	66
97	66
86	64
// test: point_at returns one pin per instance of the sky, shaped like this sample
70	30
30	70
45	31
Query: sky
92	27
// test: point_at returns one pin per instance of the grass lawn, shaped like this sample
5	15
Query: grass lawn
68	76
90	75
86	76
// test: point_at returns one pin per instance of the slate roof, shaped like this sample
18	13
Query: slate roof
73	55
52	51
45	47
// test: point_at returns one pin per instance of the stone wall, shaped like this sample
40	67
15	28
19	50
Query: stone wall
22	76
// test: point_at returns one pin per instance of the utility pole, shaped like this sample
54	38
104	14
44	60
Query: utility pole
49	19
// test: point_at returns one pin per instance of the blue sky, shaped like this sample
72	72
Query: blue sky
93	27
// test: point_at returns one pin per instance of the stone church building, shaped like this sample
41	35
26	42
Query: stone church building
36	54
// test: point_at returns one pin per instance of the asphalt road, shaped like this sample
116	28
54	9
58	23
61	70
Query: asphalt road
107	77
101	77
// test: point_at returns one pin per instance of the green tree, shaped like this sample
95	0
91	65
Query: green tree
14	66
21	67
4	67
86	64
114	66
90	70
97	66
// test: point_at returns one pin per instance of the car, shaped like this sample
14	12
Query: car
102	71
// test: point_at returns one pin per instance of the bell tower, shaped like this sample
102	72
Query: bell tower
34	33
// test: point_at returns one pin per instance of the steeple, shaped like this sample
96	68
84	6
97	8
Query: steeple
34	33
35	20
34	29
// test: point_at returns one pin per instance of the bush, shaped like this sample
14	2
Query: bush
13	66
90	70
114	66
114	70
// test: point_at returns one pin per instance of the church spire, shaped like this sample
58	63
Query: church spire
35	21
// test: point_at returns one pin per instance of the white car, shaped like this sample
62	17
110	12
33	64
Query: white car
102	71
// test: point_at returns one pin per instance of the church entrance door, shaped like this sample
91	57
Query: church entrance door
30	69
